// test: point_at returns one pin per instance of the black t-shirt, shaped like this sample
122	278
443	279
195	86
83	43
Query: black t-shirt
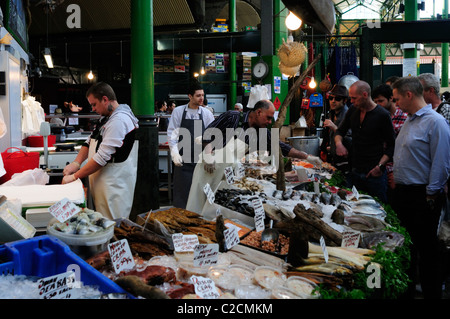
371	139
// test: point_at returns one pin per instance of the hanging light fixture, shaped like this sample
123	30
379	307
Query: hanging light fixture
202	70
312	83
48	58
90	75
47	52
293	22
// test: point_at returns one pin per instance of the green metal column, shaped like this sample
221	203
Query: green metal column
279	26
410	15
146	194
444	46
233	72
142	77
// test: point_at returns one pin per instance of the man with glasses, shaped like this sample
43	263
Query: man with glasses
338	108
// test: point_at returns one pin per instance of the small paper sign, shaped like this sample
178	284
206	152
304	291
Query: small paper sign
229	175
231	237
205	287
121	256
209	193
260	214
63	210
206	255
324	248
350	239
240	171
59	286
355	192
183	243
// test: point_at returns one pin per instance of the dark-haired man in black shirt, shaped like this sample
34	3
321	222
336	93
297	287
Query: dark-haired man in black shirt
373	141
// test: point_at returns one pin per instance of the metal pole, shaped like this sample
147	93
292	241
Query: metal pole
444	46
233	72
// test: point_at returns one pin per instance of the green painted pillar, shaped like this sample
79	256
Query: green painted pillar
146	194
233	72
444	46
410	54
142	77
279	25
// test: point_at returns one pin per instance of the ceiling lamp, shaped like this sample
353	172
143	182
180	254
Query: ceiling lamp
293	22
312	83
90	76
48	58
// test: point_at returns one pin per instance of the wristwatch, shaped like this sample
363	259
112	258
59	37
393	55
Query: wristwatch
380	165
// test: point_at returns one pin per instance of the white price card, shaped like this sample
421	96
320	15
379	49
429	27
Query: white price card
183	243
59	286
206	255
120	254
350	239
231	237
260	214
240	171
324	248
63	210
209	193
229	175
205	287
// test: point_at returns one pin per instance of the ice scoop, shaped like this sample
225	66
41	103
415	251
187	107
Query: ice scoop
270	234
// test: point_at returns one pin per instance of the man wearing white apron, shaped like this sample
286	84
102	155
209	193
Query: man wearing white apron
111	152
188	122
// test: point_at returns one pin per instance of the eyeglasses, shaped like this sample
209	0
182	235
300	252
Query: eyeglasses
337	98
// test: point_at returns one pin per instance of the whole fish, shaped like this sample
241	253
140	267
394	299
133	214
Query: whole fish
389	239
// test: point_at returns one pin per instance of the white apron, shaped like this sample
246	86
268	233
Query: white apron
112	187
235	150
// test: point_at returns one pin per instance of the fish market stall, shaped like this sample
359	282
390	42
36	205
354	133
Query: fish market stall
325	242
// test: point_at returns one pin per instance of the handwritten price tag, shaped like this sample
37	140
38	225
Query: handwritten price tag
63	210
231	237
240	171
205	287
121	256
260	214
183	243
59	286
209	193
350	239
206	255
229	175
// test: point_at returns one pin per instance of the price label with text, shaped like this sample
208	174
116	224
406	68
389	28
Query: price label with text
350	239
260	214
120	254
231	237
60	286
209	193
183	243
63	210
229	175
205	287
206	255
240	171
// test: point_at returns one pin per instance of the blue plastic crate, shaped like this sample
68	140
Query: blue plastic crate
45	256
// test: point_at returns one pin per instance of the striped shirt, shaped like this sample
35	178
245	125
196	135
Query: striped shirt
237	119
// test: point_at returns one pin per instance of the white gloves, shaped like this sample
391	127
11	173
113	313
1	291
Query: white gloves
69	179
198	140
176	158
314	160
71	168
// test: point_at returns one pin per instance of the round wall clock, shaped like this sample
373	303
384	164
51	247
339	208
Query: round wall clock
260	70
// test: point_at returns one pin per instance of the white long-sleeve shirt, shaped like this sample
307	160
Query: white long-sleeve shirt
175	122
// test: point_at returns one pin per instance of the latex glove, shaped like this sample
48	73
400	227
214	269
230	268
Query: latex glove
198	140
71	168
69	179
176	159
314	160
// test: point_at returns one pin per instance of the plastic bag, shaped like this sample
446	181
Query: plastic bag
29	177
257	93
